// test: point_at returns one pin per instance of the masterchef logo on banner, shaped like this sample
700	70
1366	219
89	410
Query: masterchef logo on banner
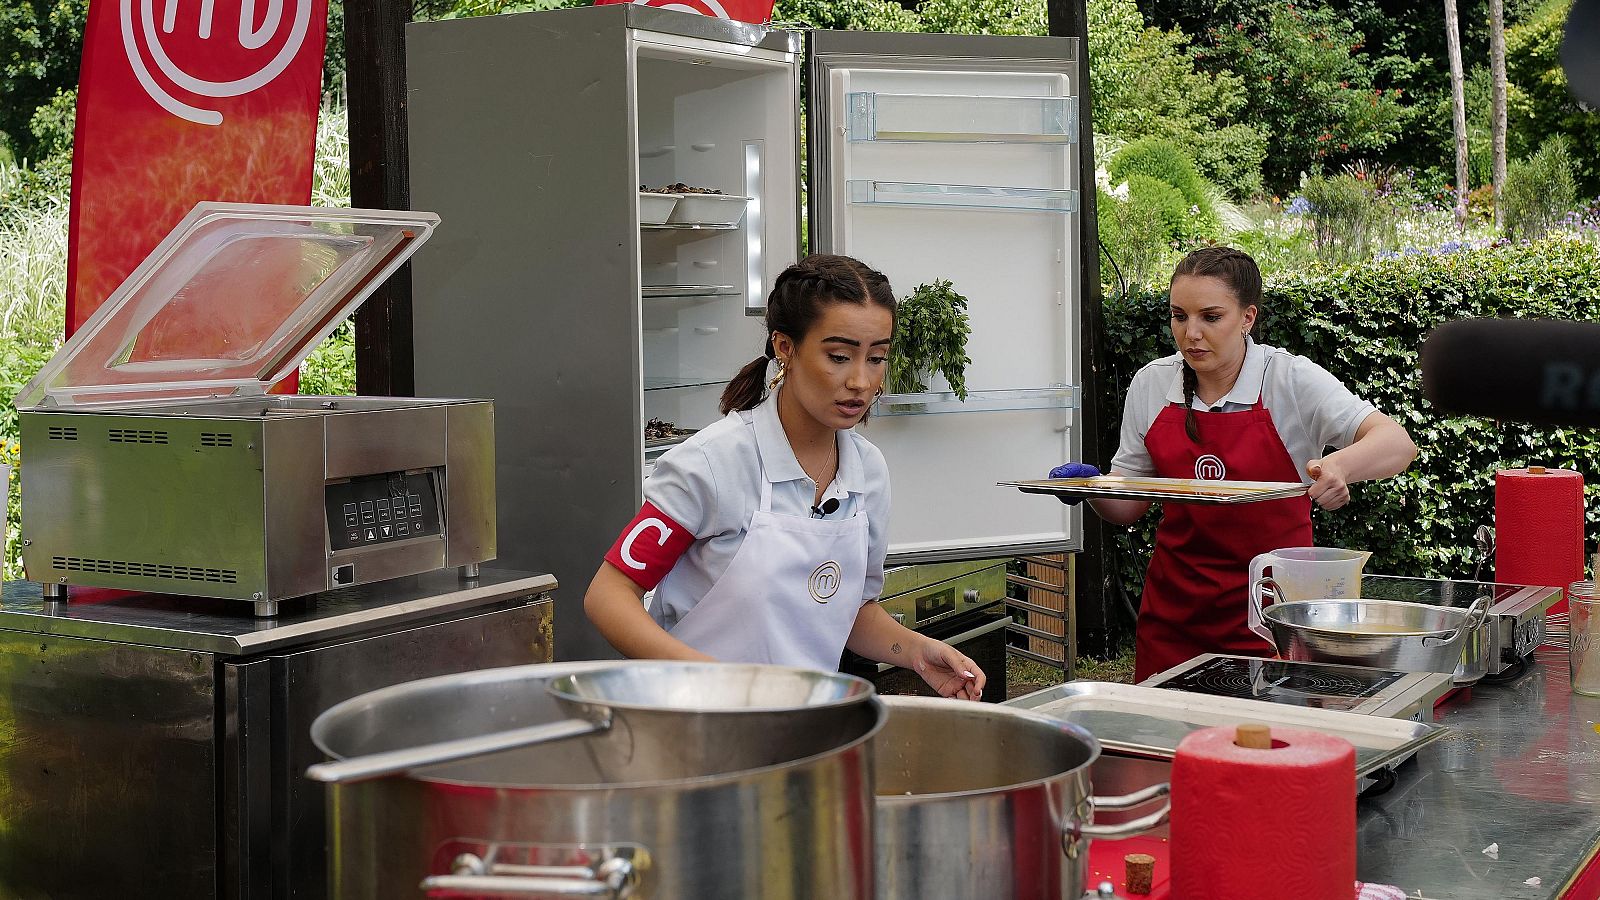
181	101
757	12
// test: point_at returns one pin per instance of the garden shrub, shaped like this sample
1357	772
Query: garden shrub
1162	159
1539	191
1366	325
1350	220
1138	231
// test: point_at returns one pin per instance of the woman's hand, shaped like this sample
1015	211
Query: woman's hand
947	671
1331	487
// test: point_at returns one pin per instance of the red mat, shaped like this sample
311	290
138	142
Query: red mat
1105	864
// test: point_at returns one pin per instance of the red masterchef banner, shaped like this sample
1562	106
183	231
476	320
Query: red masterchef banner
181	101
758	12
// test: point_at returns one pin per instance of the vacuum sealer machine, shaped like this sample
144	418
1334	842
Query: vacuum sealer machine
157	461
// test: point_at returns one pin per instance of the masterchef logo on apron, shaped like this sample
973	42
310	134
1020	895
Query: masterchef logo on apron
824	581
1210	468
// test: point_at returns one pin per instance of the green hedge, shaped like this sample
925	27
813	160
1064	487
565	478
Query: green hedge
1366	325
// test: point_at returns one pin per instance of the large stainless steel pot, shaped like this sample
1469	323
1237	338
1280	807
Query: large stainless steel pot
1384	634
557	819
977	800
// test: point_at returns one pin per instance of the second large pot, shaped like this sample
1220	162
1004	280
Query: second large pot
975	800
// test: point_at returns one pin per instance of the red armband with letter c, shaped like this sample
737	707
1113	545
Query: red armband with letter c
649	547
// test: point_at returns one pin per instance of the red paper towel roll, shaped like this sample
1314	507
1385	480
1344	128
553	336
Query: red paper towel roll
1538	528
1263	824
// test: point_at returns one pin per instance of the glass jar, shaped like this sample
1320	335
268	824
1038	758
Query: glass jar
1583	606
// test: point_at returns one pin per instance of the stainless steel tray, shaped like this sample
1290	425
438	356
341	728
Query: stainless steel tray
1148	721
1167	490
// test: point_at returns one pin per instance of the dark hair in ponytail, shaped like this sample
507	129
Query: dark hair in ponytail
1240	273
798	297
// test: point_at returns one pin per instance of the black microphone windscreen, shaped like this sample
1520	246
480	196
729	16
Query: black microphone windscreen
830	506
1580	51
1539	371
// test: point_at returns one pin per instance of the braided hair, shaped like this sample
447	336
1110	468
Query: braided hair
1239	272
797	300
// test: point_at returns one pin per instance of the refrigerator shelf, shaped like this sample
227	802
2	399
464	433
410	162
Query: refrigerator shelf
930	402
685	226
652	291
966	196
670	382
950	118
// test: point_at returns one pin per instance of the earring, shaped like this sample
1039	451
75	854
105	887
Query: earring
783	368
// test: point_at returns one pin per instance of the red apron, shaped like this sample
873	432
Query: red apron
1195	591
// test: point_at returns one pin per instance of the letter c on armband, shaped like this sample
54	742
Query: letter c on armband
644	524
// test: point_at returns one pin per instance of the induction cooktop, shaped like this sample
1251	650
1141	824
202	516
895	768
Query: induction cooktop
1357	689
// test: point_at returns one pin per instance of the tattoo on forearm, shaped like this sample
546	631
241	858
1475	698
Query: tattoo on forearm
895	648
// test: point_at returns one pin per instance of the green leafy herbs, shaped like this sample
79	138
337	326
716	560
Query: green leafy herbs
930	335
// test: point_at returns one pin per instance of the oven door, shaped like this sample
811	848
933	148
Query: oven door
980	634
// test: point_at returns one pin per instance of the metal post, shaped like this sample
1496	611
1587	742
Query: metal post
1097	627
375	67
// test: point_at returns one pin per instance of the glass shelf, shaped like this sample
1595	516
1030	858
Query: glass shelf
666	383
967	196
674	226
651	291
1056	397
947	118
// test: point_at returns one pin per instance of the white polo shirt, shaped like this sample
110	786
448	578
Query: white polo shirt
1311	409
710	484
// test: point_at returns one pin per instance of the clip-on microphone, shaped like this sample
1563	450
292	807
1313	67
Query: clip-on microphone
828	507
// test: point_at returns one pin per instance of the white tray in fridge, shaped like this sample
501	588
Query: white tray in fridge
655	209
708	209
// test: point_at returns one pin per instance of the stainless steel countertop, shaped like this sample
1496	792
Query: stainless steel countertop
227	626
1521	770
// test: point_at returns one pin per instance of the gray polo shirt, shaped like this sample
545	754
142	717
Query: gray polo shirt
1312	409
711	485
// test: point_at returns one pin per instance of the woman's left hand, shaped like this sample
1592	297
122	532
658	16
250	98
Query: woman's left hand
1331	488
948	672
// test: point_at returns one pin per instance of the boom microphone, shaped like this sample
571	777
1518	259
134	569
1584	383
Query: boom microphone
1539	371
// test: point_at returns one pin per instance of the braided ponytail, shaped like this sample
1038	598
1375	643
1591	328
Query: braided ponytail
1191	424
797	300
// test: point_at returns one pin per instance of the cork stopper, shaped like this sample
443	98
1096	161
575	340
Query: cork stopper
1536	470
1139	872
1253	737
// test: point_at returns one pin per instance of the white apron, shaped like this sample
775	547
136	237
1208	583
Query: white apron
790	595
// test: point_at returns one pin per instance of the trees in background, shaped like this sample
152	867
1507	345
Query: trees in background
41	42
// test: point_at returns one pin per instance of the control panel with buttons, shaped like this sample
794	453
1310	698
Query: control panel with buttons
378	509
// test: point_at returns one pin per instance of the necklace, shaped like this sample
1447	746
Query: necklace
827	473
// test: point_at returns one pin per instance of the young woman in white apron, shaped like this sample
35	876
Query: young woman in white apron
762	537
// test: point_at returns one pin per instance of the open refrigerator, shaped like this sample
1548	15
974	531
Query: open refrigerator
590	310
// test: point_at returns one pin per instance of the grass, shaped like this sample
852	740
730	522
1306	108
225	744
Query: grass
1024	676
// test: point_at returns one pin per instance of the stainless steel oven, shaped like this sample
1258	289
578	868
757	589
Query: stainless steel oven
962	604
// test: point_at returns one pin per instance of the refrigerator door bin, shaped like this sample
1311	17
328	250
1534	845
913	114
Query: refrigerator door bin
960	118
972	196
1054	397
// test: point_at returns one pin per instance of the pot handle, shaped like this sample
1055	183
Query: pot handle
617	878
1127	801
1261	587
396	762
1476	613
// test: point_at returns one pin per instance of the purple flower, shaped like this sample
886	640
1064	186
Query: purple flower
1299	206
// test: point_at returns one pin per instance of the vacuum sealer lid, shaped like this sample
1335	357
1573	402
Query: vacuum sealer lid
230	302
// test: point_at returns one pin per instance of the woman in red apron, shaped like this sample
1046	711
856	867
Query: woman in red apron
1195	591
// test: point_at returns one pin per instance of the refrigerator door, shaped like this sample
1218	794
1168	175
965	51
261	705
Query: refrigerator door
955	157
